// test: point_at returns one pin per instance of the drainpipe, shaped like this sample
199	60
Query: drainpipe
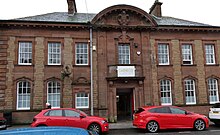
91	69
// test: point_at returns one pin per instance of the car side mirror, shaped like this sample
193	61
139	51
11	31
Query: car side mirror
82	116
187	113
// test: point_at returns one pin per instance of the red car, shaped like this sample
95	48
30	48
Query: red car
70	117
153	118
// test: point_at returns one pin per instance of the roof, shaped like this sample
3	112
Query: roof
63	17
171	21
60	17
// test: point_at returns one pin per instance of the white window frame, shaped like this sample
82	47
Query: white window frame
187	56
24	96
165	92
213	90
163	54
54	53
79	99
81	54
189	85
210	54
25	53
124	54
53	96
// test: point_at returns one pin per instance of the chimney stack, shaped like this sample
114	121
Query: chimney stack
71	7
156	9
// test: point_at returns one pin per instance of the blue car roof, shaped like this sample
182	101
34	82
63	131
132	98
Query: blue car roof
45	131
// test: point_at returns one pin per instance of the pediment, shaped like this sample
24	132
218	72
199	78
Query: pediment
80	80
124	15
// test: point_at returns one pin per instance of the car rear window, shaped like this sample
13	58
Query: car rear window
139	110
160	110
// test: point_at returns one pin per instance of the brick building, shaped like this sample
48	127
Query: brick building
136	58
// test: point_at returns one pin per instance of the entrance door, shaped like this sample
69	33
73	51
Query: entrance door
124	104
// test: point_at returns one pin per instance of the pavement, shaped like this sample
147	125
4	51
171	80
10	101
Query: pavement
121	125
112	126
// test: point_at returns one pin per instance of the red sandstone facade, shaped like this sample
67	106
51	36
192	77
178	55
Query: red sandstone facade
116	91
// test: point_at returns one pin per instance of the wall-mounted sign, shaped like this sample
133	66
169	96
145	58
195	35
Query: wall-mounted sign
126	71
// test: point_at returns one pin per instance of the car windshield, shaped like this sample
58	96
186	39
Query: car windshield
82	112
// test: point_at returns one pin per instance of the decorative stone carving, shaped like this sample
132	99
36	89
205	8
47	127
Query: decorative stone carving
123	18
81	81
65	72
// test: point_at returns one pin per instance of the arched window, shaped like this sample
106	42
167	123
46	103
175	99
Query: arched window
213	90
165	90
190	94
23	95
53	94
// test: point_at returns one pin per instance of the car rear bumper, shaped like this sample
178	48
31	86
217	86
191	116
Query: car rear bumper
139	124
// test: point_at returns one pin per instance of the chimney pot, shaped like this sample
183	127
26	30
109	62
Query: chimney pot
156	9
71	7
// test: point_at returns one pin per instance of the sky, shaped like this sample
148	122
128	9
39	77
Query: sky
203	11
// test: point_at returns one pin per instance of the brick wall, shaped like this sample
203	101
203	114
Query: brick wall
3	70
9	81
38	90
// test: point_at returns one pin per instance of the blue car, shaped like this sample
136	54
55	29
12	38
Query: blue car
48	131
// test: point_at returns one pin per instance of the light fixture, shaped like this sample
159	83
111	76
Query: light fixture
135	45
138	53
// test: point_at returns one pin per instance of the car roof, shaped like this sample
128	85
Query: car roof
46	130
61	109
151	107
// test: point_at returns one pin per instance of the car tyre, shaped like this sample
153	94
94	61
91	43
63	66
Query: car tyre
152	127
95	127
199	125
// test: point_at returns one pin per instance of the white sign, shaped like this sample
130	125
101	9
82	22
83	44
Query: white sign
126	71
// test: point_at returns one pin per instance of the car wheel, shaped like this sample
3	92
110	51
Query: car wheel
95	127
199	125
152	126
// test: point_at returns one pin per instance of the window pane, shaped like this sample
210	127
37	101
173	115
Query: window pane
25	53
163	54
166	97
190	91
82	100
81	54
53	94
124	54
187	54
210	54
213	90
54	53
23	95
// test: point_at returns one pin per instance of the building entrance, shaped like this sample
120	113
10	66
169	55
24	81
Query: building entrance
125	104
